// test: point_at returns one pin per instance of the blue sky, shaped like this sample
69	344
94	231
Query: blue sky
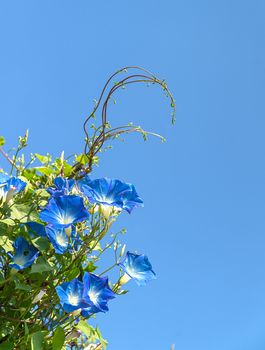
203	224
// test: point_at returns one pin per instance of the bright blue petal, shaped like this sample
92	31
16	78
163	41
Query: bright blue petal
96	292
70	295
16	184
37	228
63	211
61	241
112	192
138	268
62	187
58	238
10	186
25	254
84	181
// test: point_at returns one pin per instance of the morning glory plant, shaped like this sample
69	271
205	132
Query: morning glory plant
57	222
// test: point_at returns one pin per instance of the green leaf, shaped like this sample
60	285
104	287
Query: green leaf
44	170
82	159
41	243
8	222
21	286
2	141
29	174
67	169
6	244
37	341
90	267
103	342
85	328
23	213
6	346
40	266
91	333
58	339
41	192
95	245
43	159
75	272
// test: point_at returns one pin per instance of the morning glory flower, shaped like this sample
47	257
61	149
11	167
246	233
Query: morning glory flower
84	181
138	268
25	254
36	228
62	187
9	186
61	241
96	293
71	295
63	211
112	194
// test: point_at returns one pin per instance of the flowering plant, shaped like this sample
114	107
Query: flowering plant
55	222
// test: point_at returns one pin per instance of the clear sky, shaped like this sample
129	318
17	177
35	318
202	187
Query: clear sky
203	225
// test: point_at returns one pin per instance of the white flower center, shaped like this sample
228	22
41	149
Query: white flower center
93	296
107	200
73	299
132	272
61	239
20	260
65	219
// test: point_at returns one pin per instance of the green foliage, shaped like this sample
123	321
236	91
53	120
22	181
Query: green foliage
40	266
37	341
58	339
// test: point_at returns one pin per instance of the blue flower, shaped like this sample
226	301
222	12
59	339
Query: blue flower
16	184
63	211
71	295
25	254
62	187
138	268
36	228
61	240
96	293
84	181
9	186
112	193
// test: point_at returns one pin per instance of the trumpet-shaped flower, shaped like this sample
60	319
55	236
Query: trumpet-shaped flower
9	186
63	211
25	254
62	187
112	193
96	293
36	228
138	268
60	239
84	181
71	295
